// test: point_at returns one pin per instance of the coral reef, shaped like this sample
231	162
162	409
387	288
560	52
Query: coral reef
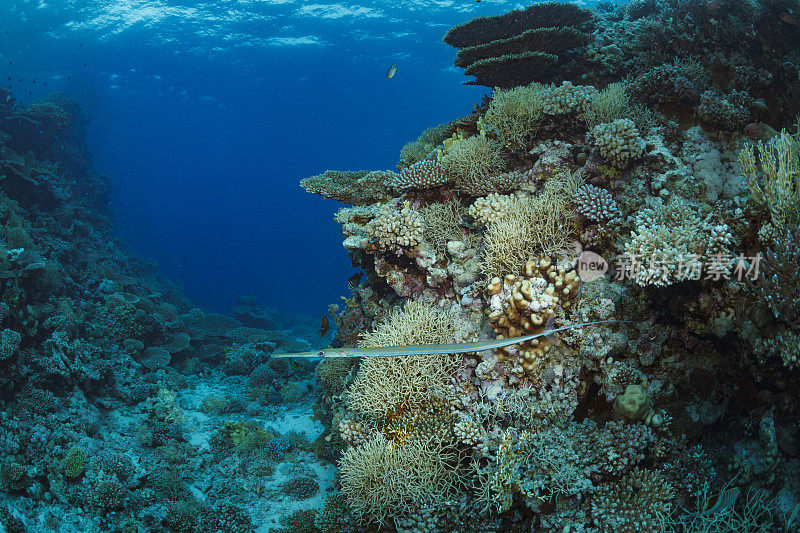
629	190
124	406
626	166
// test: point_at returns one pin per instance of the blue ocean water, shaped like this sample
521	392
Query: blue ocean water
205	116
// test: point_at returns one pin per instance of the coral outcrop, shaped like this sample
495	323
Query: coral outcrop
634	173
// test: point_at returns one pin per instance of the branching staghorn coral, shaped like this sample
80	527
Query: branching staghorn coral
384	383
443	223
541	464
384	479
774	177
514	113
613	103
472	162
608	105
757	512
532	225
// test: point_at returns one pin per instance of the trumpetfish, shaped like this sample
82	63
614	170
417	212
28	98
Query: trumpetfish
433	349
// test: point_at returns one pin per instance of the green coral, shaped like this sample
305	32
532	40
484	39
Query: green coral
73	464
472	162
169	484
514	113
333	374
416	151
301	521
13	477
244	437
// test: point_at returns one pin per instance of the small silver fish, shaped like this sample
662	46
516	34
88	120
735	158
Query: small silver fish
391	72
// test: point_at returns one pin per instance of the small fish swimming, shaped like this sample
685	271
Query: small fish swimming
391	72
354	280
323	329
432	349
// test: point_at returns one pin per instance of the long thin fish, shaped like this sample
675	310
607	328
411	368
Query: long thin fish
432	349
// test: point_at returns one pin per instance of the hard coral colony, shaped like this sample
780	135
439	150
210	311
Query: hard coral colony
626	133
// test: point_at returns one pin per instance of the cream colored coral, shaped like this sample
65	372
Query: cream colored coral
633	404
668	240
354	432
468	431
383	478
384	383
618	142
514	113
533	225
522	305
472	162
491	208
395	228
567	98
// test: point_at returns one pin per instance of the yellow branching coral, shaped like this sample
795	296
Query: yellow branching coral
384	382
774	177
383	479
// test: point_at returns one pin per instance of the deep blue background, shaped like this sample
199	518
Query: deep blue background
205	128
